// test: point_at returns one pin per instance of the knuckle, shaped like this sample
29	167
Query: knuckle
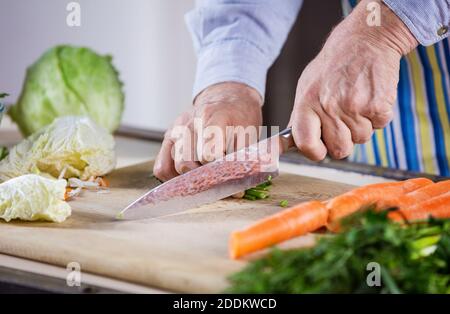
340	153
381	124
362	138
307	92
318	156
311	150
379	109
380	114
305	145
391	96
382	120
330	106
340	150
352	108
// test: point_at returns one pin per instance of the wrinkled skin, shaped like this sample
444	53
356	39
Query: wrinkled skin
350	88
222	105
342	96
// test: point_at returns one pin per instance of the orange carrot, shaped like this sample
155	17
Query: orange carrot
366	196
437	207
410	199
102	182
287	224
66	194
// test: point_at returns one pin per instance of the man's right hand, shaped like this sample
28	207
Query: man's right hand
221	105
349	89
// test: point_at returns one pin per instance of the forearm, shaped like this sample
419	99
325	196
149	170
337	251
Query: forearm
390	33
403	24
238	41
428	20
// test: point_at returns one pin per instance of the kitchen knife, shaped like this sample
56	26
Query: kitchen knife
211	182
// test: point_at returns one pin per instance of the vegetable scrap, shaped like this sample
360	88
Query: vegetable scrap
75	186
77	183
72	193
259	192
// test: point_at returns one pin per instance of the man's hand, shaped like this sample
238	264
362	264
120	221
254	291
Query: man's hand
350	88
222	105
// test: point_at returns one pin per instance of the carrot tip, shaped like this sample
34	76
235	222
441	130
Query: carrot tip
233	246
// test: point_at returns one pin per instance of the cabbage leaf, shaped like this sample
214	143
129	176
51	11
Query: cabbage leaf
72	146
32	197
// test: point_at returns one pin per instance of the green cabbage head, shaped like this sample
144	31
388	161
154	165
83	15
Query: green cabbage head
67	81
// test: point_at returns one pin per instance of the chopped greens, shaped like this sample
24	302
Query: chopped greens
250	197
259	192
411	259
3	152
284	203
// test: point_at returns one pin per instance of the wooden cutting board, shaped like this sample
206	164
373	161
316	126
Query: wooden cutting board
186	252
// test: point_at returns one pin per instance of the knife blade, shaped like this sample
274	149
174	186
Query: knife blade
211	182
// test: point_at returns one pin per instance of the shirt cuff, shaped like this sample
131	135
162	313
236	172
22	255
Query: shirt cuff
231	60
428	21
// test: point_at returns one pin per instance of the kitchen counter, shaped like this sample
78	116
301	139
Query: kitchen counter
131	151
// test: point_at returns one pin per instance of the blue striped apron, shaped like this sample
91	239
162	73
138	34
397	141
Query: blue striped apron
418	139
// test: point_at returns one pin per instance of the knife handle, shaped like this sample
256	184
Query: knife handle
286	140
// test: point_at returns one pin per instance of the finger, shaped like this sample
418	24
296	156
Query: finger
337	137
212	139
306	130
360	128
379	114
184	149
243	136
164	168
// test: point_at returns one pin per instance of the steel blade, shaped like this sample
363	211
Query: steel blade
211	182
150	205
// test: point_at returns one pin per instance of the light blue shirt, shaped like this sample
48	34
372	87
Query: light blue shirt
238	40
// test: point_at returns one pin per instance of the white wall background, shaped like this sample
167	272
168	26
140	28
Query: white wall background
147	38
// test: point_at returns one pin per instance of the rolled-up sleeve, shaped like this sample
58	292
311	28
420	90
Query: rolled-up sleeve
428	20
239	40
